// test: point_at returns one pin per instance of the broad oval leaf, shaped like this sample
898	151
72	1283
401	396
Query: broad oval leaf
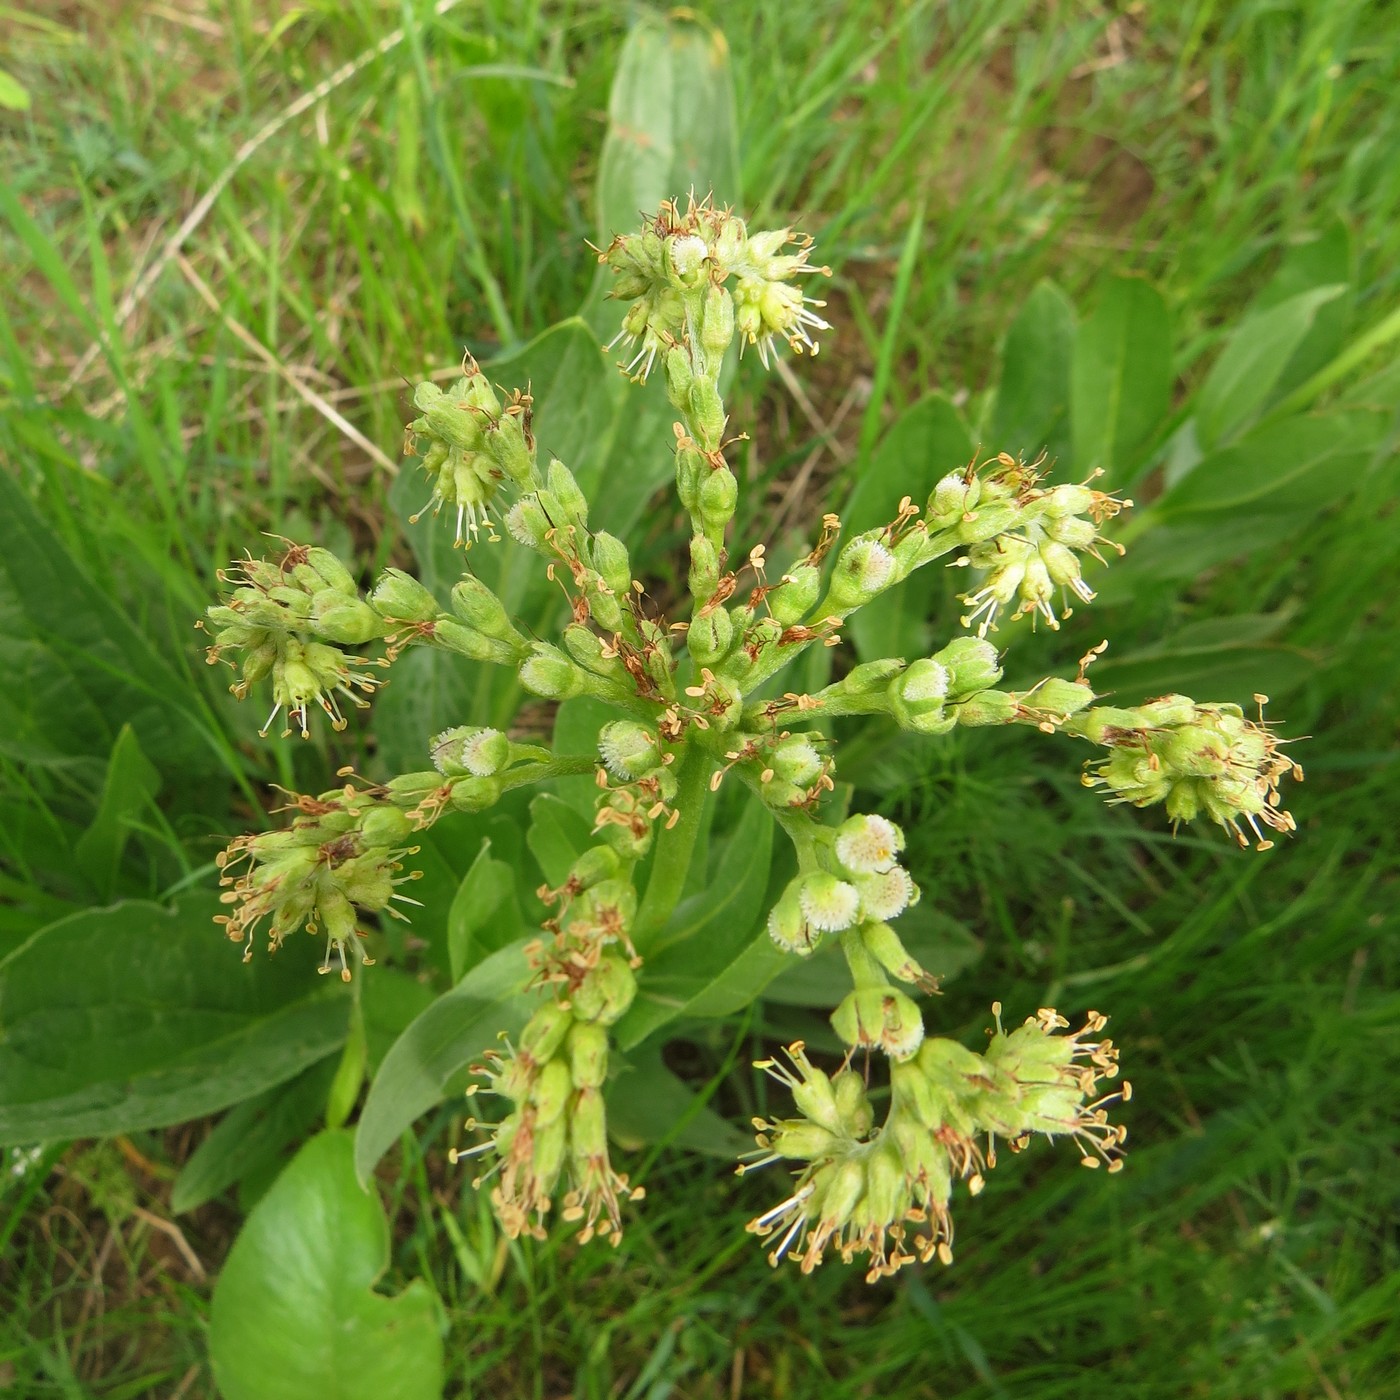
1120	379
139	1016
1031	412
706	933
441	1042
1250	365
295	1313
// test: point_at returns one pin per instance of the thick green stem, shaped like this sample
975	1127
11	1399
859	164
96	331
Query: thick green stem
674	848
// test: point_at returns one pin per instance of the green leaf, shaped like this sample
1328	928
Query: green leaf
80	667
131	783
1253	360
928	441
1325	259
250	1136
138	1016
706	933
295	1313
648	1105
431	1055
14	96
576	726
671	129
1120	379
1031	411
485	915
558	835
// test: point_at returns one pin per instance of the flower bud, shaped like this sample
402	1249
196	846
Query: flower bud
864	569
605	992
796	595
868	843
709	636
544	1033
886	894
987	708
470	749
628	749
853	1103
611	559
527	522
551	1147
787	924
384	826
479	607
565	490
799	1140
880	1018
588	1055
550	1092
718	495
475	794
884	945
796	760
465	641
505	443
588	1128
917	697
704	569
829	904
400	596
1061	697
953	497
717	323
547	672
344	620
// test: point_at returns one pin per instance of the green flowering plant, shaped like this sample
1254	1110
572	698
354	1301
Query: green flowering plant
697	702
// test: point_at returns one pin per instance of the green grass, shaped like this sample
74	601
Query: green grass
441	201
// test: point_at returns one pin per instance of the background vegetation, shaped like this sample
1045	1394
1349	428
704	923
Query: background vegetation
157	412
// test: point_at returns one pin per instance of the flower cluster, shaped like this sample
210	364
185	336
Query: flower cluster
340	857
693	252
692	704
290	619
554	1138
886	1192
854	878
1196	760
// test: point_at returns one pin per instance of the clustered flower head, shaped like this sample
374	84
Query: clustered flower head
1024	537
553	1141
1195	759
682	255
341	857
470	445
289	619
692	706
885	1192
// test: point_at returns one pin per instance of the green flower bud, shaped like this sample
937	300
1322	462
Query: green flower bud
385	826
551	1091
628	749
588	1055
787	924
588	1128
400	596
605	992
885	894
409	789
470	749
475	794
331	572
796	760
1061	697
691	470
884	945
987	708
710	636
718	496
479	607
917	698
853	1103
506	444
465	641
802	1141
796	595
551	1147
565	490
954	497
344	620
880	1018
544	1033
864	569
717	323
704	569
547	672
611	559
827	903
680	377
971	664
